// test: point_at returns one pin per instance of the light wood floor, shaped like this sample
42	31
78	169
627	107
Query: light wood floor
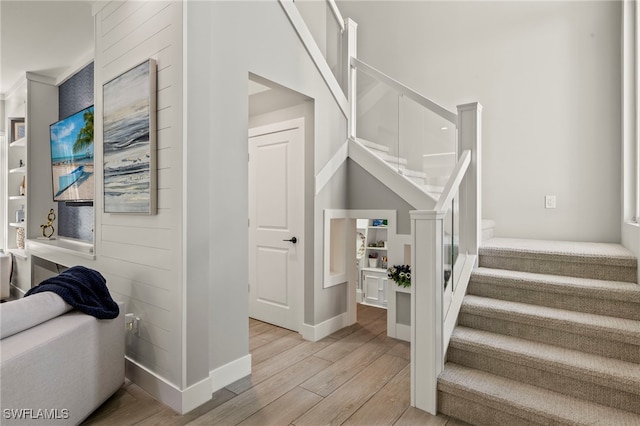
356	376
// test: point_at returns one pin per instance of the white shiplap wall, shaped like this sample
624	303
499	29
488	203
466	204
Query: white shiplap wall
141	256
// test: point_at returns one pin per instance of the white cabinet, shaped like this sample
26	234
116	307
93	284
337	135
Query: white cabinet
373	264
374	286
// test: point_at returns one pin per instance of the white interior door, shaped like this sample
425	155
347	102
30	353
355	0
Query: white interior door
276	222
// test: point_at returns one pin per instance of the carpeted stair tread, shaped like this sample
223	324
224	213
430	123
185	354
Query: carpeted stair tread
603	371
531	403
600	326
600	289
601	253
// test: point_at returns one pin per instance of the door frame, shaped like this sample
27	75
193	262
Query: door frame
276	127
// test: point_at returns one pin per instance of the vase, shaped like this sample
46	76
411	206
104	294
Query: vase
373	262
20	238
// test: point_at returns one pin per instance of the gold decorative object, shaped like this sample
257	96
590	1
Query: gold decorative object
50	217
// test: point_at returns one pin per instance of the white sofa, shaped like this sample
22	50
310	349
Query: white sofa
57	365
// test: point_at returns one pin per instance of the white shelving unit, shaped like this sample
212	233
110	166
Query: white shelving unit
30	108
374	272
16	165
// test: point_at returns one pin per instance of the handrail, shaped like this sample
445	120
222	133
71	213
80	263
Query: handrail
453	183
316	55
408	92
337	14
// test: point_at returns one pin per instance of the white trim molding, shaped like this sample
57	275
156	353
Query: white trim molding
229	373
325	328
332	166
318	58
184	400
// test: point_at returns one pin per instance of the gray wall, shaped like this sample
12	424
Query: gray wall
367	193
548	76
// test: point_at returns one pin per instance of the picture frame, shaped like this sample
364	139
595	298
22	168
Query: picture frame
129	141
18	129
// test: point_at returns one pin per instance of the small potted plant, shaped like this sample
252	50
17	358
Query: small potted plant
373	259
401	274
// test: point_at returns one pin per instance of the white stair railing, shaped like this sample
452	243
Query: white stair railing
434	304
412	128
436	298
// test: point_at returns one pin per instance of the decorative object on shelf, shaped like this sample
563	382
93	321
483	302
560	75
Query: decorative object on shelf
18	129
20	238
384	262
20	214
360	243
373	260
379	222
381	244
401	274
23	186
49	225
130	141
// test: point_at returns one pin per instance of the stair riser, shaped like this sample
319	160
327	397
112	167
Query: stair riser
477	414
522	371
560	266
559	337
572	302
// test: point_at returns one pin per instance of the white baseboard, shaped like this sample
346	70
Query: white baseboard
403	332
230	372
157	386
325	328
183	401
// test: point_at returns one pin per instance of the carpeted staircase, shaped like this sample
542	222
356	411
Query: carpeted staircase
549	333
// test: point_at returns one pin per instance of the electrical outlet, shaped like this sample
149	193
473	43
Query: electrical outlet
549	201
132	324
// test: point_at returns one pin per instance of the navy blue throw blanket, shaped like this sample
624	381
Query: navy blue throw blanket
82	288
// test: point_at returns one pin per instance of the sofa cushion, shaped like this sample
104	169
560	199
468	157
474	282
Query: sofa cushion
21	314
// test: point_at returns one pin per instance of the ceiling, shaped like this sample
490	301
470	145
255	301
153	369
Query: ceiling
44	37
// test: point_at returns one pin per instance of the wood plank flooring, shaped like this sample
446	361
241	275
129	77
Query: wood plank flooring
356	376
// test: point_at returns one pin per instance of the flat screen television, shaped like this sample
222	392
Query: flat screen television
72	157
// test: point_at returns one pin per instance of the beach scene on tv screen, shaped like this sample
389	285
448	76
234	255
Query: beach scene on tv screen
72	157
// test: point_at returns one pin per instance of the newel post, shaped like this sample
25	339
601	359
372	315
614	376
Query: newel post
470	193
350	50
426	308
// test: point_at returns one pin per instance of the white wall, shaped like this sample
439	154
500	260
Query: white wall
141	256
263	43
548	76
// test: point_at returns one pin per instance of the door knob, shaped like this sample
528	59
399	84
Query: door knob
292	240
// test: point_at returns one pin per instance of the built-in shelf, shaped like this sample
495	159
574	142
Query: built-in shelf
18	170
21	253
374	269
18	197
18	142
65	245
17	224
376	248
377	227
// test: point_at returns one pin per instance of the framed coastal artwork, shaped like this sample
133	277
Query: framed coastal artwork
129	141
